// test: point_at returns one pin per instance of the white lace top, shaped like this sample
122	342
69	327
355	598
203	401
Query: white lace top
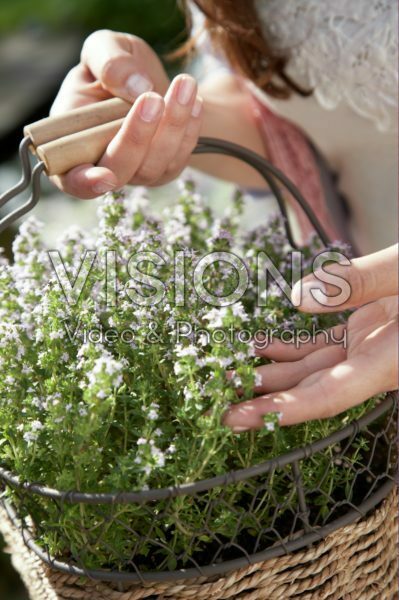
345	50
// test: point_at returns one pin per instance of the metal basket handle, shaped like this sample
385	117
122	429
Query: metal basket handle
270	174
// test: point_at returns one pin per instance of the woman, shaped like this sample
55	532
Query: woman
305	56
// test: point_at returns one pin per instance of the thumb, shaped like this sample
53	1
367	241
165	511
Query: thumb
124	64
348	284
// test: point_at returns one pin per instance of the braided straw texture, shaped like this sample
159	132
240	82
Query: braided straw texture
356	562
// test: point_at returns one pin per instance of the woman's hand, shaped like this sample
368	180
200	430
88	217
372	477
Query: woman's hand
320	379
160	131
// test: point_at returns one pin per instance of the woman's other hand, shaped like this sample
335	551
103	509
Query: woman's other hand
320	380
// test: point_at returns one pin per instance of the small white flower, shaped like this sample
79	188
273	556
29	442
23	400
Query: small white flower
36	425
203	340
186	350
237	381
158	456
258	379
57	335
178	368
30	437
215	317
188	394
224	361
238	310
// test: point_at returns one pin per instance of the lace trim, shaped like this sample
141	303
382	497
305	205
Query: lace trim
346	51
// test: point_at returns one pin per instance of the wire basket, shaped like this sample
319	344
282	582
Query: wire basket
262	525
293	524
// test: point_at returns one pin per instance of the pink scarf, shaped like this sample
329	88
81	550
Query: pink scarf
287	149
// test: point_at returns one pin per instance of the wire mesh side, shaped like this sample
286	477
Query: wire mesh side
266	514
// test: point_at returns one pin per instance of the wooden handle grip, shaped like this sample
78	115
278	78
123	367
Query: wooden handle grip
78	119
61	155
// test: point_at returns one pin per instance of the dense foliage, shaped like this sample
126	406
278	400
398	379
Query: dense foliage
137	408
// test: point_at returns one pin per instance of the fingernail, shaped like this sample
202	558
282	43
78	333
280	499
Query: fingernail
137	84
102	187
186	88
238	429
314	295
150	107
197	108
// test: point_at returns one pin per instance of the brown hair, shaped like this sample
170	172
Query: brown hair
234	27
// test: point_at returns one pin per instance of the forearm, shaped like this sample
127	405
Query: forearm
228	115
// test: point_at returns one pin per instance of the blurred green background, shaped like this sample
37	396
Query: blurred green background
160	22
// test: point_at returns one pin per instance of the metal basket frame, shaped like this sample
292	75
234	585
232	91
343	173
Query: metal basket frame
382	485
380	489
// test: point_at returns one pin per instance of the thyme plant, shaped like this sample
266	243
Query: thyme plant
106	390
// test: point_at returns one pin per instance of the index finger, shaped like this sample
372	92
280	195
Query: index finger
297	348
321	395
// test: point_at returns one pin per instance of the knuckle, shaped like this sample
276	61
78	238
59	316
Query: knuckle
110	70
74	71
134	136
174	169
362	284
357	284
188	142
64	185
134	42
305	365
148	174
95	38
177	120
370	285
187	147
329	407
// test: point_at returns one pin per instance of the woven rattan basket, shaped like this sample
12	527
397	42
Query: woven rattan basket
356	562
